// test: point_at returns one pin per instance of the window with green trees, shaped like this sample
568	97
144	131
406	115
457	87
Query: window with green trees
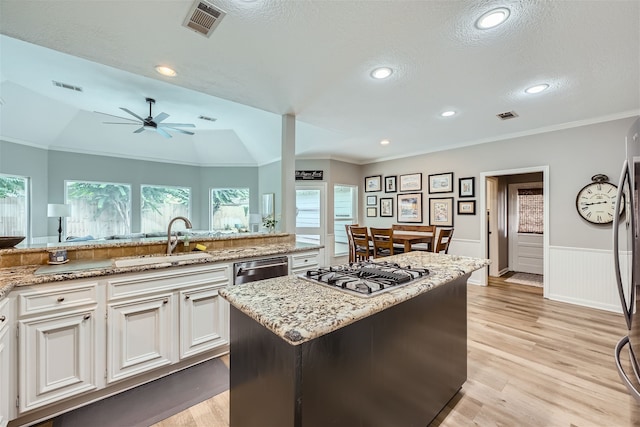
98	209
230	209
14	206
160	203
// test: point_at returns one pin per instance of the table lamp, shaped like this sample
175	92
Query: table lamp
59	211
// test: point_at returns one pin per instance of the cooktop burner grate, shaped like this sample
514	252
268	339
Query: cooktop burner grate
366	278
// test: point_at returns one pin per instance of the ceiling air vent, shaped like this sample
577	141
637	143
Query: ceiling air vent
203	18
210	119
67	86
508	115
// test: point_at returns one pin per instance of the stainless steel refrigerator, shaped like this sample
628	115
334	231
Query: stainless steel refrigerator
626	250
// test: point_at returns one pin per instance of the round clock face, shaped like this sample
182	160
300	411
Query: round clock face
596	202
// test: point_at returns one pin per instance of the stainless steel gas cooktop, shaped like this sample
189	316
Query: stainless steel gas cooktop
367	278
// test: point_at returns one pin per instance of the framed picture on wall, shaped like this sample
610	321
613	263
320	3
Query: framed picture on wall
441	183
390	183
466	207
466	187
386	207
411	182
441	211
372	212
410	207
373	183
372	200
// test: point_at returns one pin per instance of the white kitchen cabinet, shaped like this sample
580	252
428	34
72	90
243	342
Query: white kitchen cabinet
147	329
303	261
204	320
57	343
7	399
140	336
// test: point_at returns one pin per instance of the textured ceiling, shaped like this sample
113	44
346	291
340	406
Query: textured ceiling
312	59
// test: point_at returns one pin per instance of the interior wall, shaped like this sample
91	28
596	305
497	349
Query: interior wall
270	181
48	169
31	162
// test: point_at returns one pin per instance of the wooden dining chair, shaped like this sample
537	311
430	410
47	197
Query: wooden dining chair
444	239
417	229
352	247
360	237
383	242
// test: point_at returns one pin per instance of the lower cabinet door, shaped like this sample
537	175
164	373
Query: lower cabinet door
204	321
57	358
5	373
139	336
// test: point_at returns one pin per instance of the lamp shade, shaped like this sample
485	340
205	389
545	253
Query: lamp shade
58	210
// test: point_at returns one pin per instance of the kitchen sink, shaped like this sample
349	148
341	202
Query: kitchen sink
151	260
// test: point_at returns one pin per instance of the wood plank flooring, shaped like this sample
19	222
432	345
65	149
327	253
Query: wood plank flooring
532	362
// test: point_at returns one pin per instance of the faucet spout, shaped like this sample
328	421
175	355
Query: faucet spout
172	245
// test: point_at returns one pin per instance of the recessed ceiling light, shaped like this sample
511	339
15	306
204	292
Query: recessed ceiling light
537	88
448	113
166	71
381	73
493	18
384	142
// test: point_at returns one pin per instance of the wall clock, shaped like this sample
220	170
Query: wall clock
596	201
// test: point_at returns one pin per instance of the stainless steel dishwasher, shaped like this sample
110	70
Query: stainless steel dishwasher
259	269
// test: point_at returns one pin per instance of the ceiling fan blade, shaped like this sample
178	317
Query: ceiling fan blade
118	123
117	117
173	125
163	132
160	117
132	113
139	130
179	130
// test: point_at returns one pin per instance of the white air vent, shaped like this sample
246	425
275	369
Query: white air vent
203	17
67	86
508	115
210	119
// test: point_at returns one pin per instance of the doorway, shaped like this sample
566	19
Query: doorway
496	216
311	215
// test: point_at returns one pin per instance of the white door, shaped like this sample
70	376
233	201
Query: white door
526	250
311	215
58	358
139	336
203	320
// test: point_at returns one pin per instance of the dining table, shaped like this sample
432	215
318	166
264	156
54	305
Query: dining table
408	239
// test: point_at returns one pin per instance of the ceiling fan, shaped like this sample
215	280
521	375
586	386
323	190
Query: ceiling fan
151	123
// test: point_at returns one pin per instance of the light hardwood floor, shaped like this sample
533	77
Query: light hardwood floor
532	362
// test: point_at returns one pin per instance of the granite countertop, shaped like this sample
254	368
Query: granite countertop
25	275
298	310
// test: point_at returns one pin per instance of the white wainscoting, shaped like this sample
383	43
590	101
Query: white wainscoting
470	248
583	277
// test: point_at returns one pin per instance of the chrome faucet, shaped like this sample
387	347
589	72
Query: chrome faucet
172	246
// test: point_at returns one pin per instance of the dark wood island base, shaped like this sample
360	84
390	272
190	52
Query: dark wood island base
396	368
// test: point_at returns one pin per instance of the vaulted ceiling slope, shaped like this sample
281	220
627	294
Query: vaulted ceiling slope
312	59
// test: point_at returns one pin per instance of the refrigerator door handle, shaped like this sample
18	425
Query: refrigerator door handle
625	379
626	309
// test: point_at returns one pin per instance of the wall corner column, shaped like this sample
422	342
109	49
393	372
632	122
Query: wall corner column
288	207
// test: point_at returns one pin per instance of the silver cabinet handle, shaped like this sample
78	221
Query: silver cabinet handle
165	301
60	299
87	316
3	318
187	297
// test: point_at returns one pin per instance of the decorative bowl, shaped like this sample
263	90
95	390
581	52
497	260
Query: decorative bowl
10	241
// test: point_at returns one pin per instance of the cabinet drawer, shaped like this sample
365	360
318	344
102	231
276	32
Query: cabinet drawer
4	314
139	284
56	298
304	260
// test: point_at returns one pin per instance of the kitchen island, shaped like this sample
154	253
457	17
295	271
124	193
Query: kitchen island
305	355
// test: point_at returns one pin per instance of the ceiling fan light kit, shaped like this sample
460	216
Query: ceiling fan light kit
152	123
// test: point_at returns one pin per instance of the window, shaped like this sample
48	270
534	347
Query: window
230	209
530	210
344	212
14	208
98	209
159	204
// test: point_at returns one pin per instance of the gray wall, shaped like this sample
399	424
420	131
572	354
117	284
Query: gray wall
573	156
30	162
48	169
